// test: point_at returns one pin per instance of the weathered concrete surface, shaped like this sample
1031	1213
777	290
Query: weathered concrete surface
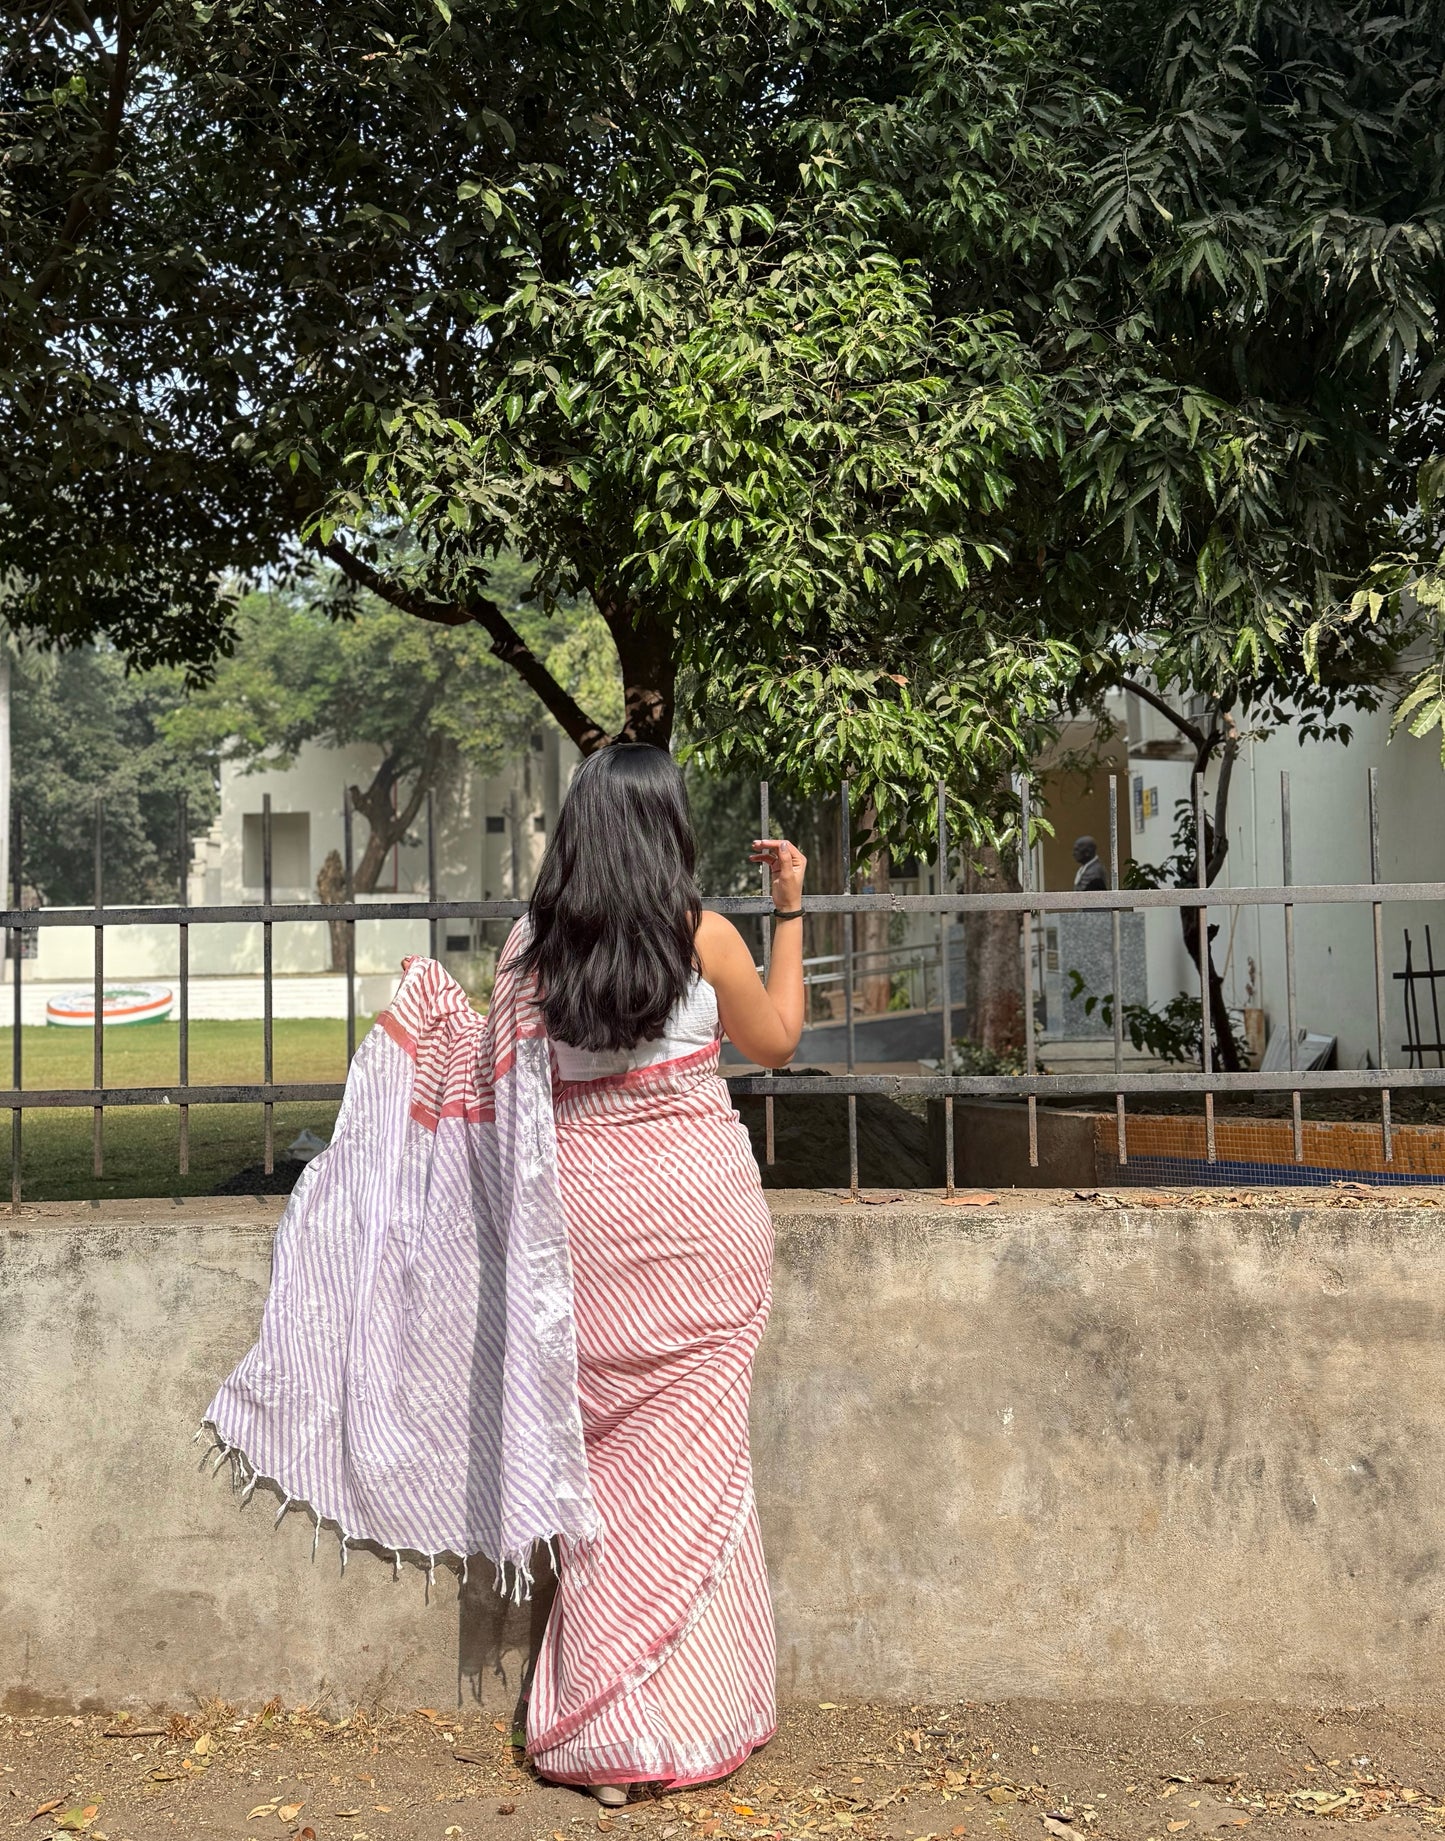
1034	1450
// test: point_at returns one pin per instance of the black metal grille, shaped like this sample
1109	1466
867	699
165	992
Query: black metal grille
1205	1081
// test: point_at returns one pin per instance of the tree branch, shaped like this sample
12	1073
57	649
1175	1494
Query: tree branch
1152	697
425	775
1219	849
85	201
507	643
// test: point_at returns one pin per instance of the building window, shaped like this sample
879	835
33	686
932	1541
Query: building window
539	823
538	742
495	823
290	850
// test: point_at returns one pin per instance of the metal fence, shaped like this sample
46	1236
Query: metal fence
1205	1081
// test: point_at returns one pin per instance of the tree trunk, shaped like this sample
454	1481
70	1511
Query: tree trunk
646	653
1215	845
992	1012
874	983
389	826
331	889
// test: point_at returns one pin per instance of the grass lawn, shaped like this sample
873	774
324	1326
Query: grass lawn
141	1141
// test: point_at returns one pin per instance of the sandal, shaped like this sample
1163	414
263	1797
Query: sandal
610	1795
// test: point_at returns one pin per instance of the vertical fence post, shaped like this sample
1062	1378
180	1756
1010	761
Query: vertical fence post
769	1143
17	1063
1286	850
1026	879
97	1121
1206	1038
945	974
433	925
267	1071
350	925
846	821
1377	912
1117	920
183	933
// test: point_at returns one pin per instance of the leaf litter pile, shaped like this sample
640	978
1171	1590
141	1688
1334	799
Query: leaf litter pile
1011	1772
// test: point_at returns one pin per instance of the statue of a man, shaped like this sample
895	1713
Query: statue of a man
1090	873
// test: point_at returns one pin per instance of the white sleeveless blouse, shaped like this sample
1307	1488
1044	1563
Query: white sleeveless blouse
691	1024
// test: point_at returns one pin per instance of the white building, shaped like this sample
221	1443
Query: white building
1329	797
491	832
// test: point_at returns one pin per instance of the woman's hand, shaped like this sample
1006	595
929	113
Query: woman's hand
786	864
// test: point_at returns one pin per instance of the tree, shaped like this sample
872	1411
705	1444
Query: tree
431	700
885	380
85	730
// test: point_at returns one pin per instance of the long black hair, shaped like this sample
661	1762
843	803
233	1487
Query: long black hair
615	908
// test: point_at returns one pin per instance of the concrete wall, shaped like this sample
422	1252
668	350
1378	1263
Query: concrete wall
1031	1450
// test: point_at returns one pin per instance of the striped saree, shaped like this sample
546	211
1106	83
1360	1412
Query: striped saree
505	1310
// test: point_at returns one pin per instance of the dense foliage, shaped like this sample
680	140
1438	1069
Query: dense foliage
888	380
84	731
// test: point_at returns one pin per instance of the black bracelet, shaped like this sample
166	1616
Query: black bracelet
787	913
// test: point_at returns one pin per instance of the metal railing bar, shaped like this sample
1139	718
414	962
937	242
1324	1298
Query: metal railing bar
847	841
962	1086
183	955
434	927
350	925
256	1093
1117	924
945	983
1048	1086
1377	916
1003	901
97	1123
16	942
267	994
1030	1052
1286	838
1206	1007
769	1119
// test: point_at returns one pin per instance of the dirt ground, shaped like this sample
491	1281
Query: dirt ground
1010	1772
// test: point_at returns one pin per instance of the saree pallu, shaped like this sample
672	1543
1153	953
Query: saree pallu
414	1382
658	1660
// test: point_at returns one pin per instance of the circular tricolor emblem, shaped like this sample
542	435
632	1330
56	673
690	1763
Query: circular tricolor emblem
120	1003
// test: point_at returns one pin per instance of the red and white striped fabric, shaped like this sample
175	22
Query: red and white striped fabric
658	1661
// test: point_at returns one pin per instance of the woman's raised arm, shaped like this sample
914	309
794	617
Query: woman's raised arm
763	1022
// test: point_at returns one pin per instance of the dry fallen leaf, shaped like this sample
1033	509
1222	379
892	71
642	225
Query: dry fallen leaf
45	1808
1174	1827
288	1812
76	1821
261	1809
202	1745
464	1756
1065	1831
506	1808
971	1201
1000	1795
